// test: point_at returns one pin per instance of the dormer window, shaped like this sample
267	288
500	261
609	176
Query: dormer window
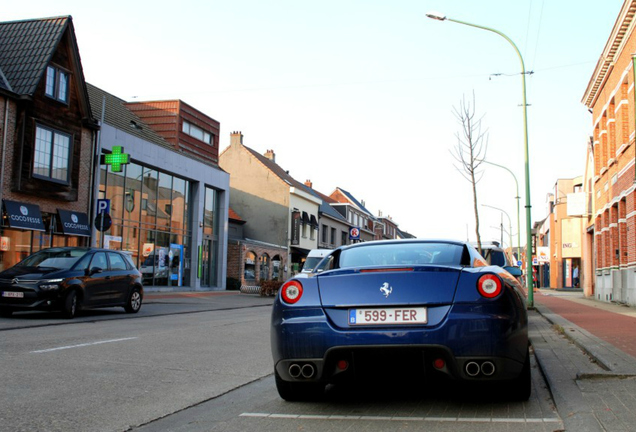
197	132
57	84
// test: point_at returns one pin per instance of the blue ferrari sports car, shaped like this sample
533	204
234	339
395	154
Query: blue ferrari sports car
401	310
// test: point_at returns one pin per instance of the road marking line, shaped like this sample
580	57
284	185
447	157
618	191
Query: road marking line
401	419
81	345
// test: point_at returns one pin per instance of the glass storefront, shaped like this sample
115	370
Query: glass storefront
16	244
151	220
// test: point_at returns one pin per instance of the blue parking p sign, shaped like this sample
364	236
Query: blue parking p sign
103	206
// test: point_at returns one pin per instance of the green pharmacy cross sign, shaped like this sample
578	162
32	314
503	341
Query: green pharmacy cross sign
116	159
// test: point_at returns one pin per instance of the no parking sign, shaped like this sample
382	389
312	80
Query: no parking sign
354	233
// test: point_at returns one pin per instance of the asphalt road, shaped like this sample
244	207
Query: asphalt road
204	363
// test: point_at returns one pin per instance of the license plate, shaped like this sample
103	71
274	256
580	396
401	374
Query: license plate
12	294
384	316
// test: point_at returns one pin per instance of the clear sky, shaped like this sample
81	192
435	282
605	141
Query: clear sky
359	94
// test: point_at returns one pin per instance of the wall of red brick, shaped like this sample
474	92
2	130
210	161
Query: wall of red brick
237	250
614	152
9	165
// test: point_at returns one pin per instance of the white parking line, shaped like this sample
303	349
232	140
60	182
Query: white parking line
81	345
401	419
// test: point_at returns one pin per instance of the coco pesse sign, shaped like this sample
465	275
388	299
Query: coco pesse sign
24	216
74	223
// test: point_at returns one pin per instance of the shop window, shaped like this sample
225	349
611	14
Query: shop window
276	270
264	267
249	271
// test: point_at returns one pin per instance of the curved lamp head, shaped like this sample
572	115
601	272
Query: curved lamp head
436	16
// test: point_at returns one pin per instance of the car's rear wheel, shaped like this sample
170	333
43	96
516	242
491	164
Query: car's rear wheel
70	305
520	388
6	312
298	391
134	301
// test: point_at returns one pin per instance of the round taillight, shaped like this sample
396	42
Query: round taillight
489	286
292	291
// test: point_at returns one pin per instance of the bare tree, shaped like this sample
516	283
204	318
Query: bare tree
472	144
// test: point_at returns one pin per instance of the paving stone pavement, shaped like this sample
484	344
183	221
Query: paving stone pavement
582	347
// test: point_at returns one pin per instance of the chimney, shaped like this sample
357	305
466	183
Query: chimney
236	139
269	154
309	184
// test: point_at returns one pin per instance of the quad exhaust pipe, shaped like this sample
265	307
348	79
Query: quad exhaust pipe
486	368
305	371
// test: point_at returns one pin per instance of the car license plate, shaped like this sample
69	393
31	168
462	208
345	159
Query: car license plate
12	294
386	316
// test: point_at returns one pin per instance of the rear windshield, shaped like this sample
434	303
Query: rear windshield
402	254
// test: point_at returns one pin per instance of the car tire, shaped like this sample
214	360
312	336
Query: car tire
6	312
71	305
134	301
293	391
520	388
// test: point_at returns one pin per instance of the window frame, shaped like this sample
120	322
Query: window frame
52	155
54	83
206	136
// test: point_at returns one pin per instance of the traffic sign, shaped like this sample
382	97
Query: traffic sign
103	206
354	233
103	222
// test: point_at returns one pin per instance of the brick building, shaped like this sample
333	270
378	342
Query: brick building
558	237
609	252
47	133
250	261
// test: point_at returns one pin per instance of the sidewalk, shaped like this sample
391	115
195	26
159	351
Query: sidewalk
586	350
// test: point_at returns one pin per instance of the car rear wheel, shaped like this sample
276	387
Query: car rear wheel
5	313
70	305
294	391
520	388
134	301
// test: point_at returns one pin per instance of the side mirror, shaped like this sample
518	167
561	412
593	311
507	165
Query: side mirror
95	270
513	270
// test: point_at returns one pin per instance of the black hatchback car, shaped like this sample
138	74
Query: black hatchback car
70	278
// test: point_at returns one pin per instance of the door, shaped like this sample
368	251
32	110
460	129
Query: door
96	285
208	262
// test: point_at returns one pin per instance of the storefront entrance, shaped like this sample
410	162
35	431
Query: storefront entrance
208	262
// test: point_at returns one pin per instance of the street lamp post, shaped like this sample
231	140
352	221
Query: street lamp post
509	222
518	197
441	17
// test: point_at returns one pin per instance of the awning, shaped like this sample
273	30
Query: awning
305	218
23	216
74	223
314	222
300	251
